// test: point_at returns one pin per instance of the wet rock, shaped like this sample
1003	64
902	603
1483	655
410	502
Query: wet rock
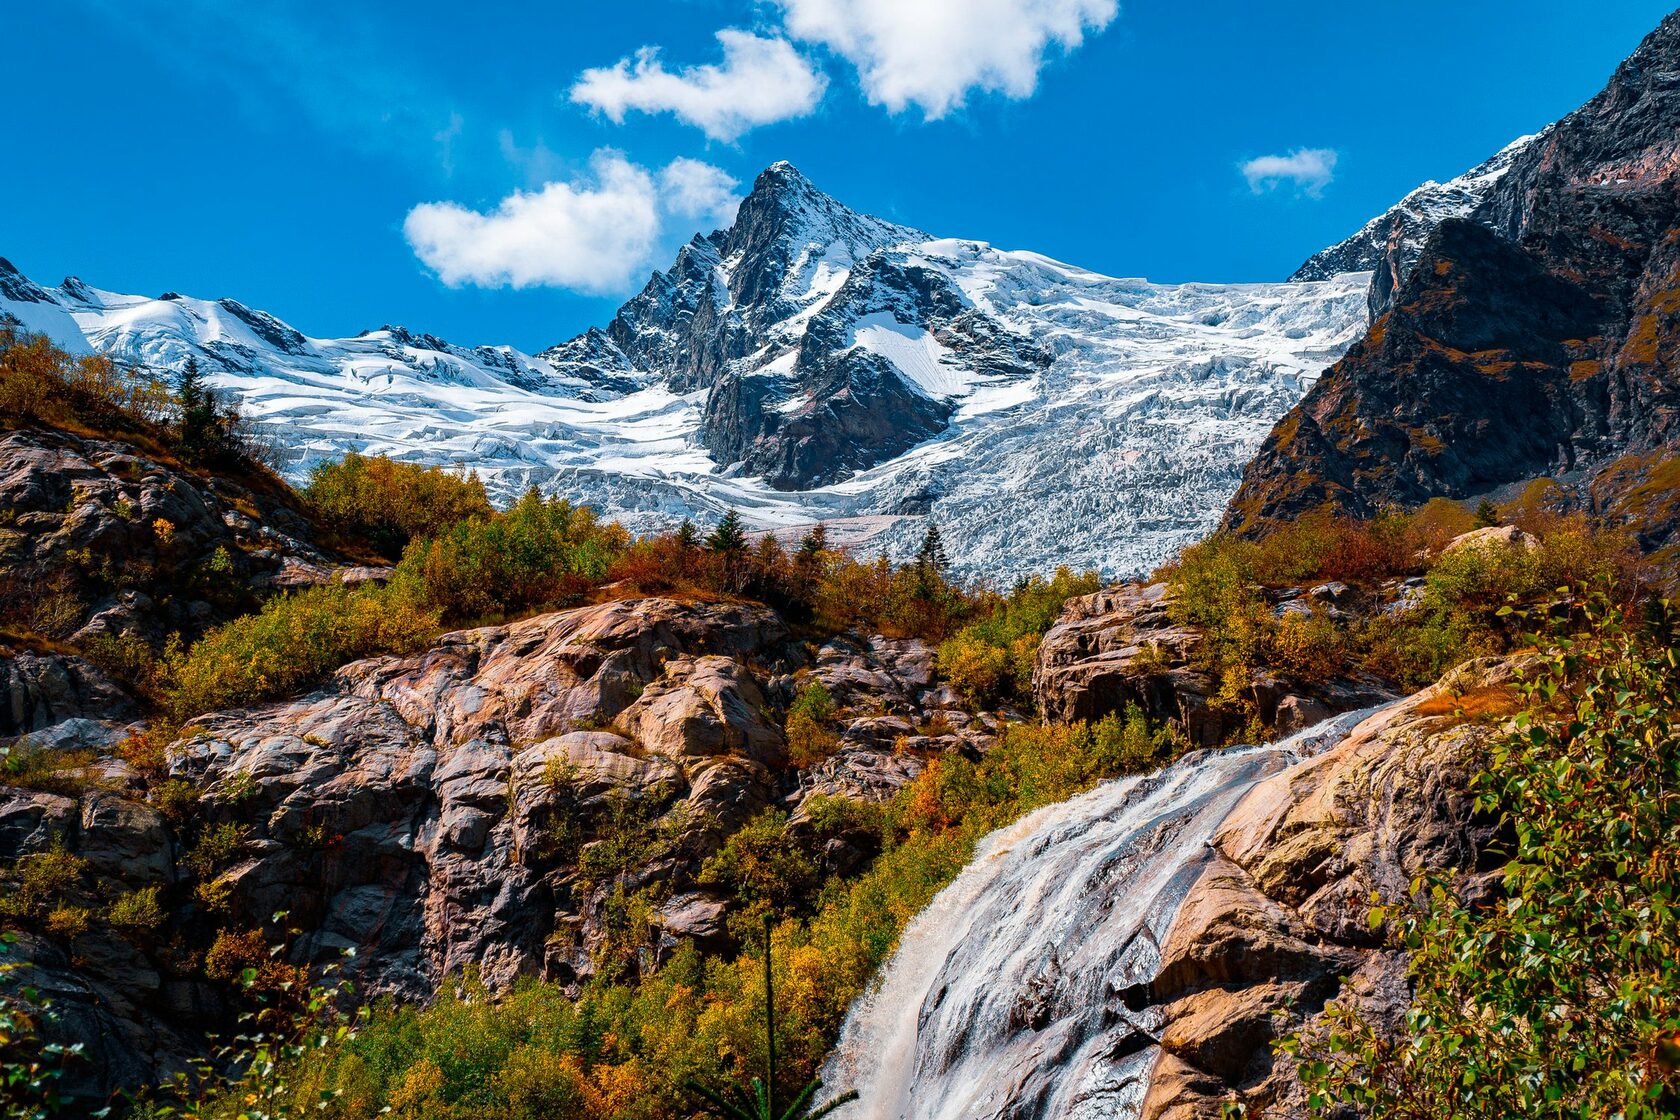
1278	916
1297	713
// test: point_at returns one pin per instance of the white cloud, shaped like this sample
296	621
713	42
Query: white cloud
761	81
932	53
693	189
1310	169
596	233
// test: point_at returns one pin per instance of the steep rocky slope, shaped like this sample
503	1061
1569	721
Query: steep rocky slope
100	539
1535	338
1135	950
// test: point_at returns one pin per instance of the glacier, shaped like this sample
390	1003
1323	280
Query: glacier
810	364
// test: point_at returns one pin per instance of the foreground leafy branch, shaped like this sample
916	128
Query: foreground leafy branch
1557	994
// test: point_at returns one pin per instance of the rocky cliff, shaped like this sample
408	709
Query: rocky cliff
1535	338
1275	922
475	807
102	541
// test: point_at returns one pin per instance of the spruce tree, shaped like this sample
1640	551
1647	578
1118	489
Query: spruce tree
729	536
688	537
1487	515
199	431
931	558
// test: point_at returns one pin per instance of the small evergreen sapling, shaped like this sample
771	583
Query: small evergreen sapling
759	1101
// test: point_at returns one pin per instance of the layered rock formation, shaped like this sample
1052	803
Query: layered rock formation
1123	646
474	807
1535	338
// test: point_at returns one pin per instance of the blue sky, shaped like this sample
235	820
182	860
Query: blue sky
333	164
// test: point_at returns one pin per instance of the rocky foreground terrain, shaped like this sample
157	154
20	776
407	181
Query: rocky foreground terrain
434	812
484	805
1277	919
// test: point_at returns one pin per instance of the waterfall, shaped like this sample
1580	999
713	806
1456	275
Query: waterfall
1006	999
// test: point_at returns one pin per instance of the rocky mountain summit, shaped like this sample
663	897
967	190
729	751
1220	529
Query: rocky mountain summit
1532	339
1388	245
809	363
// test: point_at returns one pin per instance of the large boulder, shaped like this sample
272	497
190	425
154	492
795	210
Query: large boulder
407	809
1277	918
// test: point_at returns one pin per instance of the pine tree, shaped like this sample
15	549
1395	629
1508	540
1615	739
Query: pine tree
688	537
931	557
1487	515
813	545
729	536
200	427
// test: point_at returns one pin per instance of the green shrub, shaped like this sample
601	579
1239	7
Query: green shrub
760	865
28	765
139	910
293	641
39	883
1558	994
991	661
537	554
217	847
810	725
391	503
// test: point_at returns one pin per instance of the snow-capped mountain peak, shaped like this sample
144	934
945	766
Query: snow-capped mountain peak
1404	227
810	363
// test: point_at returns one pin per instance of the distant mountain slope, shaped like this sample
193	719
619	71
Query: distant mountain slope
810	363
1537	338
1389	244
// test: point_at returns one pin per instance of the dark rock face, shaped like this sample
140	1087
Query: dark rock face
99	538
763	318
41	690
1537	338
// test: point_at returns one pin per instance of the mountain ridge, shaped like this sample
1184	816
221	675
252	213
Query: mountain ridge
812	364
1536	338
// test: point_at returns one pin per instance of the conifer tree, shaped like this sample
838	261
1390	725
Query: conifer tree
200	427
814	543
729	536
931	557
688	537
1487	515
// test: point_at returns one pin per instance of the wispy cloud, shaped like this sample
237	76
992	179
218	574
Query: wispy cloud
697	190
934	53
595	233
1310	170
279	62
760	81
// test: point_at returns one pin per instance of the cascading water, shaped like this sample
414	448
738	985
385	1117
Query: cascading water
1007	998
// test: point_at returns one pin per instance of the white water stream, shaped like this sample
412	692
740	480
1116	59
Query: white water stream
1007	998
